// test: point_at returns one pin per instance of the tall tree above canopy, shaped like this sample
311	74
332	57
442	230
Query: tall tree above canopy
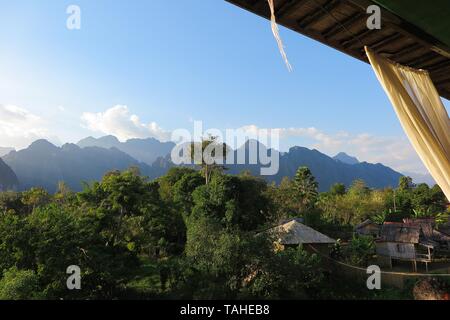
209	155
338	189
405	183
305	188
359	188
35	197
233	201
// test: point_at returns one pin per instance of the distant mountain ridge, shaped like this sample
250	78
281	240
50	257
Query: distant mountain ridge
327	170
44	164
8	179
4	151
144	150
345	158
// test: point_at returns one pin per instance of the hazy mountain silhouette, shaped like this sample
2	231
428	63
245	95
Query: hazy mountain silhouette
144	150
8	179
345	158
4	151
43	164
327	170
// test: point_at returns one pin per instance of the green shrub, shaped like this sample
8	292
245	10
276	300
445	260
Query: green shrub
19	285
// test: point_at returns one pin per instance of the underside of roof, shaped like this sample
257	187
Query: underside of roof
430	16
413	33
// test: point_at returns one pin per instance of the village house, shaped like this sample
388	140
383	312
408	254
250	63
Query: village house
431	232
368	228
415	240
445	228
400	241
292	233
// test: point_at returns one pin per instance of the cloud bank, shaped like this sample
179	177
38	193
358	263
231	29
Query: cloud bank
19	127
118	121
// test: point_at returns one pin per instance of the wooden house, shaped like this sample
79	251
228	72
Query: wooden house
294	233
368	228
407	242
430	232
445	228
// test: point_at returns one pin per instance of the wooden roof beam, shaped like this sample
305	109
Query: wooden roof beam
356	38
401	26
415	47
347	23
439	66
406	50
320	13
438	58
444	75
416	62
286	8
386	40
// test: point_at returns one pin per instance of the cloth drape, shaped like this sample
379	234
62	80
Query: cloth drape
421	113
276	34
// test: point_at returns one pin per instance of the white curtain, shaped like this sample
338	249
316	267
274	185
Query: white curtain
421	114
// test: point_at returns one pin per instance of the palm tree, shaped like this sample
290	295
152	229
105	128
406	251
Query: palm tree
208	159
306	188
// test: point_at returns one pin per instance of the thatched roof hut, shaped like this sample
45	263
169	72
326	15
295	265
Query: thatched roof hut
293	232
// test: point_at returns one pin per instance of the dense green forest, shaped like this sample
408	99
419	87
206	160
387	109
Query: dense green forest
179	237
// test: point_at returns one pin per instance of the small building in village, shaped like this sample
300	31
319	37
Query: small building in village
400	241
293	233
368	228
444	228
431	232
414	240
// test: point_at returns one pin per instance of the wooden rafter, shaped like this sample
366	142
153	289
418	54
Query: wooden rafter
341	24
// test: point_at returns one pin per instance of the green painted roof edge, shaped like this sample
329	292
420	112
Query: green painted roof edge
432	17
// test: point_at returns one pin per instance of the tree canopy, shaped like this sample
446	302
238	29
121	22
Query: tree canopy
184	236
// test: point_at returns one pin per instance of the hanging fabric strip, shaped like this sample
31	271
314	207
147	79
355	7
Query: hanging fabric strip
421	113
276	34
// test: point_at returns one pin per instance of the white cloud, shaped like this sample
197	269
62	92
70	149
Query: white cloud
19	127
119	122
395	152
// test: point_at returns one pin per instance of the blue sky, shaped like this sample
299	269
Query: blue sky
166	63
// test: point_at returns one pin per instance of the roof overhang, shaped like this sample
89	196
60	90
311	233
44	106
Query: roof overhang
342	24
